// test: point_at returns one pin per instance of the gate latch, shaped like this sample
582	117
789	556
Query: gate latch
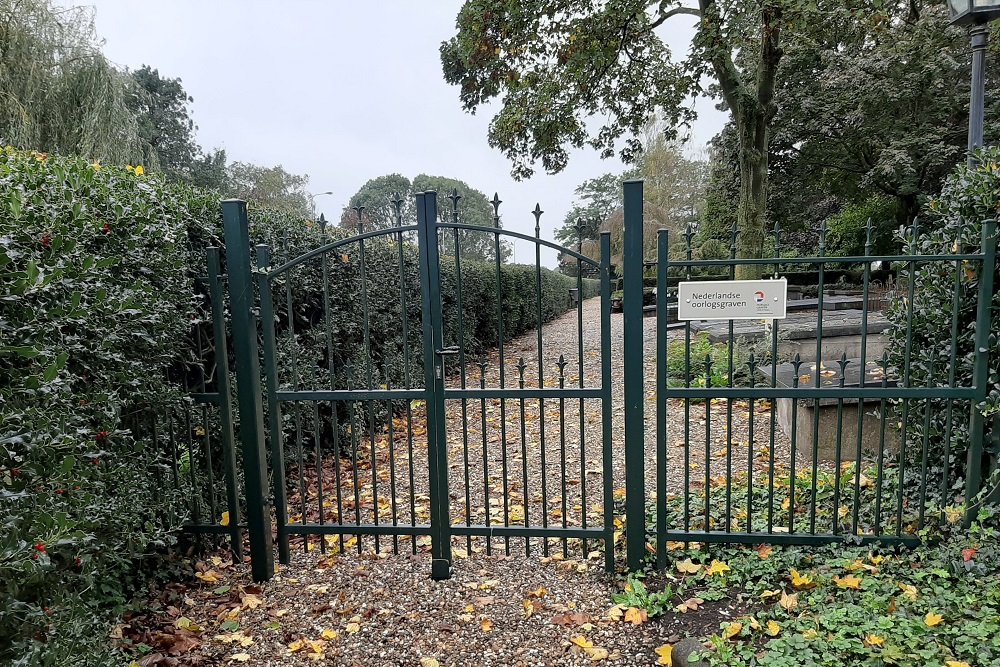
439	366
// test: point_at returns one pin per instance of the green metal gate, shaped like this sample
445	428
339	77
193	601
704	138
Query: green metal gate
342	446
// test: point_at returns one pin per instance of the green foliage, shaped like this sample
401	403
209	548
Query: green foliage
58	92
165	125
953	225
636	595
708	361
97	298
848	230
376	197
270	188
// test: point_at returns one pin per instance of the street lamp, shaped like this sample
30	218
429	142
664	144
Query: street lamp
976	13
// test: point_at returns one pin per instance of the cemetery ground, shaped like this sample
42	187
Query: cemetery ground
345	602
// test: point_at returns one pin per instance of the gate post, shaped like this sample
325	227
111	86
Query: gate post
981	367
632	267
437	447
248	395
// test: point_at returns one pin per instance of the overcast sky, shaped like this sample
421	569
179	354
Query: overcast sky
343	91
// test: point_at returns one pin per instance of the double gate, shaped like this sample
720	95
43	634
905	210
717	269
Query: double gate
388	401
457	445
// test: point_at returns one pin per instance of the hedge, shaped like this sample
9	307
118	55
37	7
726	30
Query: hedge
99	303
953	223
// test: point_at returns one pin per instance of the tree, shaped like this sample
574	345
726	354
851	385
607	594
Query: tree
270	187
674	184
165	125
472	208
376	197
58	93
555	65
596	199
208	170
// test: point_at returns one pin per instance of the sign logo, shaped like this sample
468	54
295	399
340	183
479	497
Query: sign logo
758	297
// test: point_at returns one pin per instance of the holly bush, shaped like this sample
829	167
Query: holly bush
952	224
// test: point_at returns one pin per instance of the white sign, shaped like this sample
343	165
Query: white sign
732	300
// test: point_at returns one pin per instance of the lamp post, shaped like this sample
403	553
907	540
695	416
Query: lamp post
976	13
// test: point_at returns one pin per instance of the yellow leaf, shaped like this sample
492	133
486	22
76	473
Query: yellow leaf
635	616
786	503
529	608
539	592
210	577
238	657
789	602
848	582
328	634
767	595
139	171
801	581
225	519
665	655
809	634
251	601
616	613
582	642
873	640
909	591
773	628
956	663
486	624
932	619
876	560
185	623
717	567
296	646
597	653
732	630
429	662
352	628
687	567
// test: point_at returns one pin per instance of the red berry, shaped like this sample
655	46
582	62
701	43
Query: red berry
106	229
15	472
102	436
40	547
46	241
60	491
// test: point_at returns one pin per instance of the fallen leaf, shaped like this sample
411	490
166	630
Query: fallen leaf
429	662
185	623
809	634
240	657
539	592
664	652
687	567
352	628
210	577
616	613
717	567
732	630
530	607
635	616
296	646
968	554
225	522
328	634
691	604
251	601
767	595
909	591
789	602
582	642
932	619
773	628
853	583
764	550
800	581
486	624
873	640
956	663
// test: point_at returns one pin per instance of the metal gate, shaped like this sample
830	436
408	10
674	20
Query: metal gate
806	430
456	445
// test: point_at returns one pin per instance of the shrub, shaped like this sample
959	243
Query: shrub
953	224
96	302
847	230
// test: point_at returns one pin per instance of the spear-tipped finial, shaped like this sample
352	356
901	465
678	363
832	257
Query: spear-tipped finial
397	204
561	364
914	234
538	217
322	223
495	203
733	233
869	230
361	223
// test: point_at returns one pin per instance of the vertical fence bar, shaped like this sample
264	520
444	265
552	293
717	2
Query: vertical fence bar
981	367
606	406
437	447
275	438
635	498
217	296
234	214
662	344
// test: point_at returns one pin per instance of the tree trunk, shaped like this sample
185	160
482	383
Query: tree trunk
751	216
